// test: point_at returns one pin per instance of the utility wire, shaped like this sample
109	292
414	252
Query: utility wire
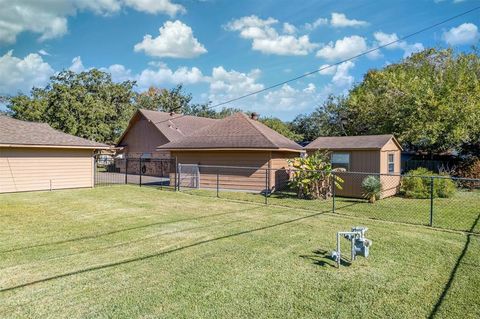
337	63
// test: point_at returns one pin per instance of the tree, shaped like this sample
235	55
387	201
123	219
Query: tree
86	104
281	127
173	100
429	101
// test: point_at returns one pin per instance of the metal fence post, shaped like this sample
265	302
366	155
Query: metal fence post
218	185
179	169
266	186
140	168
333	192
126	170
431	201
176	172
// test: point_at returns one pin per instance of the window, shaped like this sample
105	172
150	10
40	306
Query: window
391	163
341	160
146	157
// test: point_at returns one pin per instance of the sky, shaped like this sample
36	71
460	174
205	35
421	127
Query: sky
222	49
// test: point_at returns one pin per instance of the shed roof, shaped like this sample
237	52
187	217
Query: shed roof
352	142
19	133
237	131
173	126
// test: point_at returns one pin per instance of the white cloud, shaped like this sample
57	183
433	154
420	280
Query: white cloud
20	75
340	20
341	77
176	40
43	52
119	73
343	49
226	85
387	39
267	40
49	18
77	65
289	28
156	6
466	33
337	20
162	76
315	24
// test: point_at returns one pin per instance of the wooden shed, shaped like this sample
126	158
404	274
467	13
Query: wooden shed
34	156
240	149
360	155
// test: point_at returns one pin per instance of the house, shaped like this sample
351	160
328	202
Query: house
378	154
145	132
239	148
34	156
149	129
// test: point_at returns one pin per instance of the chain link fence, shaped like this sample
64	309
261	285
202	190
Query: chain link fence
437	201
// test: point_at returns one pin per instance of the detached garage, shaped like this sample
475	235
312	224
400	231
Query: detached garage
34	156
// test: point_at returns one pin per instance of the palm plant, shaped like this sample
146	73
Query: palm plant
372	188
313	176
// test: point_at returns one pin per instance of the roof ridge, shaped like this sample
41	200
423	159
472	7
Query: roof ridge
250	121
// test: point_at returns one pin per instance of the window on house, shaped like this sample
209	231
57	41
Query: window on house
146	157
391	163
341	160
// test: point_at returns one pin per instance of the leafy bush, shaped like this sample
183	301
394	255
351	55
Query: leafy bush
469	169
414	186
372	188
312	176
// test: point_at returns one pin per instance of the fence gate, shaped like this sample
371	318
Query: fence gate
188	176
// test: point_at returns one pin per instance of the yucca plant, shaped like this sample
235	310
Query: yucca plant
372	188
312	176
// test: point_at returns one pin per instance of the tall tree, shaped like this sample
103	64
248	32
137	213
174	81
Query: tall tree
430	101
87	104
282	127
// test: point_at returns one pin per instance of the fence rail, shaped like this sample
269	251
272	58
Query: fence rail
437	201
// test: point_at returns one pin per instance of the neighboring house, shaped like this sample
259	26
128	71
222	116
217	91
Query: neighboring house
149	129
236	141
379	154
34	156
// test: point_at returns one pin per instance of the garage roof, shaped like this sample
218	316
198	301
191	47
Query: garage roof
237	131
352	142
19	133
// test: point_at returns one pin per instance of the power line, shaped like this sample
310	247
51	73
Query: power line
339	62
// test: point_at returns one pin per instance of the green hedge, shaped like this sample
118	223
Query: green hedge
419	187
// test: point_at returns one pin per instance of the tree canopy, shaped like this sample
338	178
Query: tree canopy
430	101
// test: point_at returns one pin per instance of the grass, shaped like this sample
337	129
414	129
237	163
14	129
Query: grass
457	213
129	252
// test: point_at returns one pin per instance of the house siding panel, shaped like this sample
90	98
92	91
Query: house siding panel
30	169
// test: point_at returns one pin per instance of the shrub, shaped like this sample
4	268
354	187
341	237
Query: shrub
372	188
312	176
470	168
419	187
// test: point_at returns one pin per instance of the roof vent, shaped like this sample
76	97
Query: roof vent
254	116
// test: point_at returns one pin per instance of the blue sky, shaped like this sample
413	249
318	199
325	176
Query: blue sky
222	49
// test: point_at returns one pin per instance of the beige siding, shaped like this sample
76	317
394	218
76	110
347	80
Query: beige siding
29	169
390	184
144	137
279	164
233	178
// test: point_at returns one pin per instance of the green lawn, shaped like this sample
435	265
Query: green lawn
456	213
129	252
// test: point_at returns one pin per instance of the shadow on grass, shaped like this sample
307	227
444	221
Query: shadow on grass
121	230
453	273
323	258
162	253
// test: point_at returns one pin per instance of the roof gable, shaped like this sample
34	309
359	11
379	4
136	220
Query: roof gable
172	126
235	131
23	133
352	142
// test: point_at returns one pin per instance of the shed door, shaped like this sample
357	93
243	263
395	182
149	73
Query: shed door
189	175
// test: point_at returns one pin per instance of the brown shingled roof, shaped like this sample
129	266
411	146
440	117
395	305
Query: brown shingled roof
236	131
351	142
22	133
173	126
